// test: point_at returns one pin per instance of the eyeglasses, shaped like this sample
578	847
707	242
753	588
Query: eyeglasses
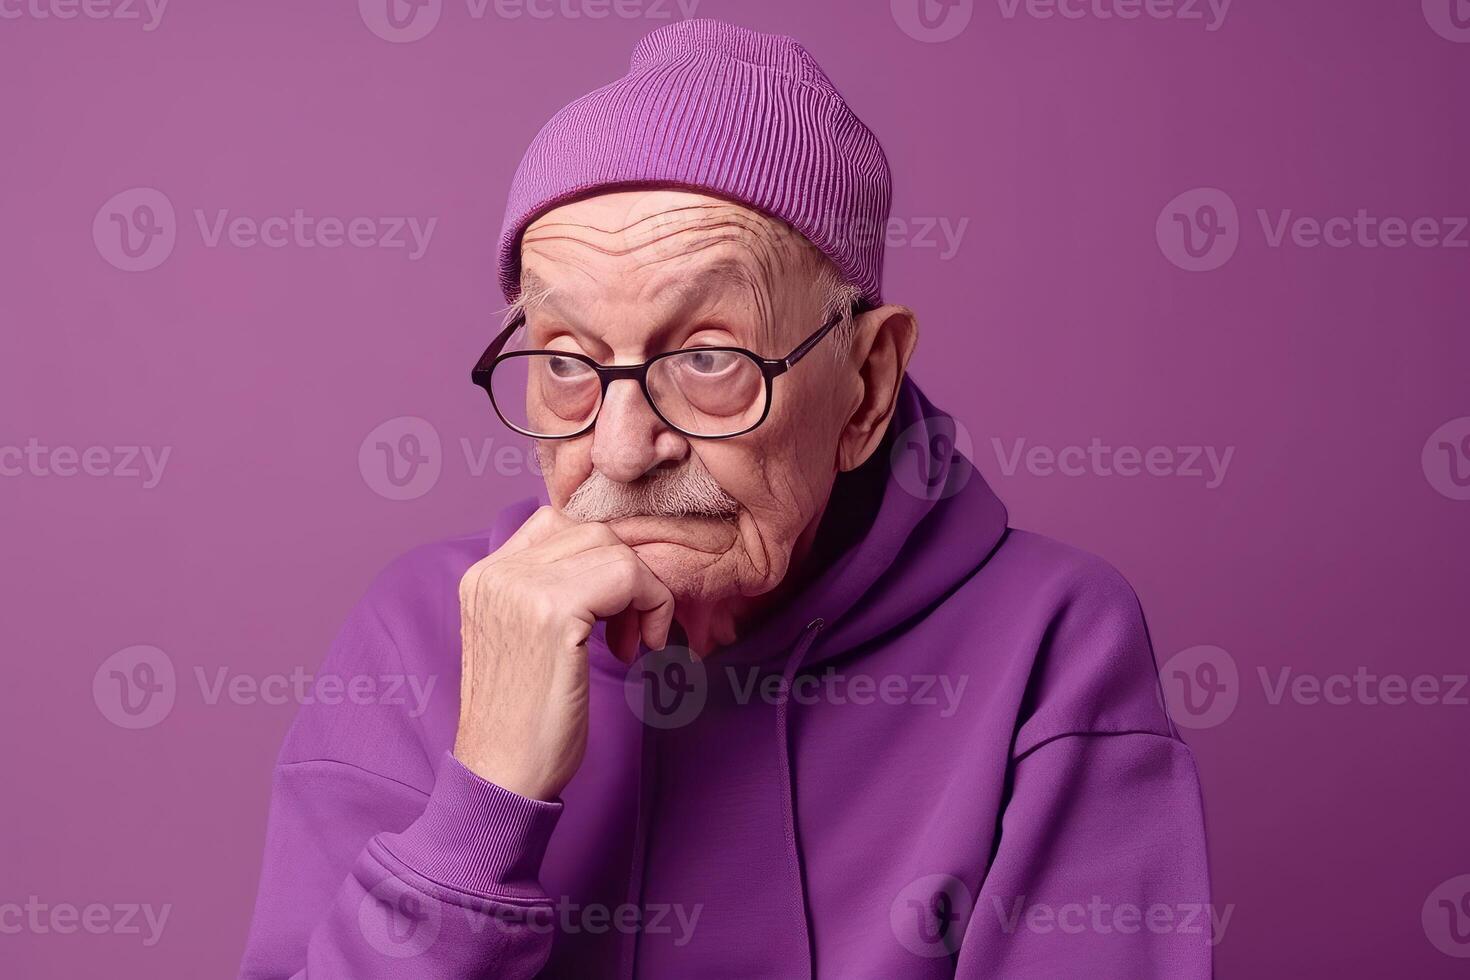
701	392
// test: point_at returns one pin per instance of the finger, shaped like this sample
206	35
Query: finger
543	523
612	578
571	541
622	635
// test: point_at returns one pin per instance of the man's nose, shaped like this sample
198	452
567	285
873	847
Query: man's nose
629	439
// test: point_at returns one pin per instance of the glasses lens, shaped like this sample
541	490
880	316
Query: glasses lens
708	392
545	394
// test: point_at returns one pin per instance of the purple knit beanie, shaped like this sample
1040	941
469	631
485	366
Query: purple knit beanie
727	111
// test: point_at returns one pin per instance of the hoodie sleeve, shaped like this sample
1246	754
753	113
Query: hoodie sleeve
452	894
1100	869
386	857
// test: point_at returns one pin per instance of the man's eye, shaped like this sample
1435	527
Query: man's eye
709	361
566	367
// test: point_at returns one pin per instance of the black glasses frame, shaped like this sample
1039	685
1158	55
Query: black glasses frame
771	368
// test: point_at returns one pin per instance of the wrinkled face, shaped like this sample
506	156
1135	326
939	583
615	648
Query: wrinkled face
624	276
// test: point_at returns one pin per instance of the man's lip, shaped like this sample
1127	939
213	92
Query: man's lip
686	529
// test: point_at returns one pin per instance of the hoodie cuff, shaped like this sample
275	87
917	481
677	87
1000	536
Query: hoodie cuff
475	836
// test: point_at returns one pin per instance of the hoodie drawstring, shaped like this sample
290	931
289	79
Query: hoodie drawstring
788	790
647	780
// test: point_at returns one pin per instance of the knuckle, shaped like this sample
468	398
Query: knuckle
602	534
469	582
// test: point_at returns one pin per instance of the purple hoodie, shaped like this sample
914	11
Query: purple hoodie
946	756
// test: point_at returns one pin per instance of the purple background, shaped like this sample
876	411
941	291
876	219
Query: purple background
1333	543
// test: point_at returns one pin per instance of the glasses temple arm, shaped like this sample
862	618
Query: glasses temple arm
805	346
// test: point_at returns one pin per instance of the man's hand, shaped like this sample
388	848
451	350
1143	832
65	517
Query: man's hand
525	614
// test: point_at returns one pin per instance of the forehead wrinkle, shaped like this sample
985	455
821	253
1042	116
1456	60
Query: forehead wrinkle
770	245
706	214
683	284
686	285
679	220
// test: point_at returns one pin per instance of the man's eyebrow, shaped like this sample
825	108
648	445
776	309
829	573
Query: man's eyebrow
532	284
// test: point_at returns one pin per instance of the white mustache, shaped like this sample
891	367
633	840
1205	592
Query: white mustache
684	492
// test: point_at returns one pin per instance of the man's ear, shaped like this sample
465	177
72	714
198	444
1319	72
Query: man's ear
883	341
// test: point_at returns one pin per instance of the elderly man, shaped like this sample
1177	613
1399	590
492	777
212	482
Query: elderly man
769	689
